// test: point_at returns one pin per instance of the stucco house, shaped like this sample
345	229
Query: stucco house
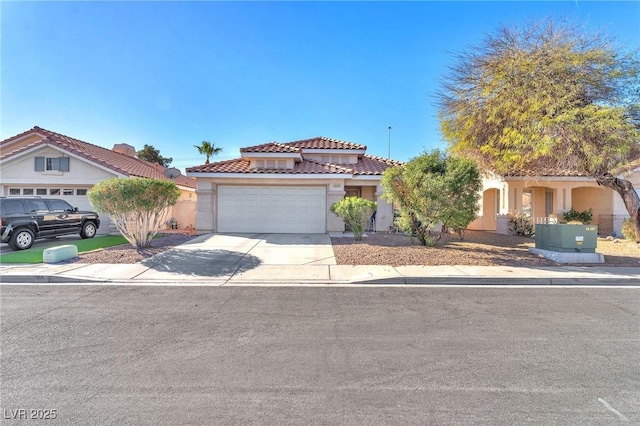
288	187
40	162
545	196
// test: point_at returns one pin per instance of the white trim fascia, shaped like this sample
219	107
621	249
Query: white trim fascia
549	179
31	133
270	175
334	151
257	155
366	177
70	154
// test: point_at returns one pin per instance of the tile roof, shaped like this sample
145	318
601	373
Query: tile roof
322	142
241	165
542	173
120	163
367	165
371	165
270	147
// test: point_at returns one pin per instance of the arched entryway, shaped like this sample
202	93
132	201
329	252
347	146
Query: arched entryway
490	208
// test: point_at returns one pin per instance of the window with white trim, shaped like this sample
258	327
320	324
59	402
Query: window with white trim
59	164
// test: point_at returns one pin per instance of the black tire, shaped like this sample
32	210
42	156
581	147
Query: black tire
21	239
88	230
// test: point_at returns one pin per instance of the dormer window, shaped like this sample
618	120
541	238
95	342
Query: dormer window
336	159
271	164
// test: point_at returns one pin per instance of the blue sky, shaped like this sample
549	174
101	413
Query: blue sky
171	74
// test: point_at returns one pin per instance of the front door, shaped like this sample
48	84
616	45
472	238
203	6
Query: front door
351	191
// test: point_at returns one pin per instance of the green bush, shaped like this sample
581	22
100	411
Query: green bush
522	224
138	207
433	189
355	212
574	216
628	230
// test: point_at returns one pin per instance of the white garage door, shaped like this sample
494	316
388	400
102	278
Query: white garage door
278	209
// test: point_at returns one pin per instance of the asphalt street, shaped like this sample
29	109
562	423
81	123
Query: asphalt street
117	355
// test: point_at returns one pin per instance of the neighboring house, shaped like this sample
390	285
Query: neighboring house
39	162
288	187
546	197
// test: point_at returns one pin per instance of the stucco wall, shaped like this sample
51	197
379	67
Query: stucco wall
205	215
600	200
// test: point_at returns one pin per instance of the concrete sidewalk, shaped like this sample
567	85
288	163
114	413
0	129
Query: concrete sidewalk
269	274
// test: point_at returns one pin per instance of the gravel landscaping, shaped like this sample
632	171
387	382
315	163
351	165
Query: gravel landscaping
128	254
479	248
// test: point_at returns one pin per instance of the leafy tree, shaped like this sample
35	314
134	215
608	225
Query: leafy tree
151	154
433	189
546	98
138	207
355	212
208	149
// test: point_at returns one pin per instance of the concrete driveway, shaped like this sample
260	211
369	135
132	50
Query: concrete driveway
270	249
223	255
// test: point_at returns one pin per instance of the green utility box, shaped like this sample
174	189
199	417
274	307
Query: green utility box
567	238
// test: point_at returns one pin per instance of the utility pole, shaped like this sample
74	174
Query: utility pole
389	155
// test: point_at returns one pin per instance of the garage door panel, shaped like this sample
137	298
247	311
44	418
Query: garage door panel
276	209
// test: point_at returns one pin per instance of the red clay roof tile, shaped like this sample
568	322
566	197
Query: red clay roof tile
241	165
270	147
322	142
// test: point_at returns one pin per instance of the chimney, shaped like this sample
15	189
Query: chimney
125	149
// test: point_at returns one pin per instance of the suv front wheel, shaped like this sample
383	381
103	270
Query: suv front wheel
21	239
88	230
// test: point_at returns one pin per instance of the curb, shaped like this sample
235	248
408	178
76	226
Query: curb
395	281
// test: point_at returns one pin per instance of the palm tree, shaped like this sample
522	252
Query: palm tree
207	148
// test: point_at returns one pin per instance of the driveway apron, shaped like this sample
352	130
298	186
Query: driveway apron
222	255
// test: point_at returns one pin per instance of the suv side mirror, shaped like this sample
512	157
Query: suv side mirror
75	209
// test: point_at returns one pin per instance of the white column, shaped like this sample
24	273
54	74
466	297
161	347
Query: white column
335	193
384	214
206	206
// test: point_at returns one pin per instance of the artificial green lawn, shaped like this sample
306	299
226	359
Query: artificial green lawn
34	254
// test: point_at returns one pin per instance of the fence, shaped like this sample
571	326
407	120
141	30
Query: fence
545	220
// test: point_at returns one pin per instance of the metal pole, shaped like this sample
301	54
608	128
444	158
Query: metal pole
389	155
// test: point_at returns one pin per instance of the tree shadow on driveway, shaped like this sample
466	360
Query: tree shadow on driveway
206	263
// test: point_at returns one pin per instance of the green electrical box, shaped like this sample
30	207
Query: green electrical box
567	238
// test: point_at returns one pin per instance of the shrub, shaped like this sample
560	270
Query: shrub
138	207
522	224
355	212
574	216
628	230
433	189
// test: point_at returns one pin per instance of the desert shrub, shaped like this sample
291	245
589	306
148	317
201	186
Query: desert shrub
628	230
522	224
138	207
574	216
355	212
433	190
